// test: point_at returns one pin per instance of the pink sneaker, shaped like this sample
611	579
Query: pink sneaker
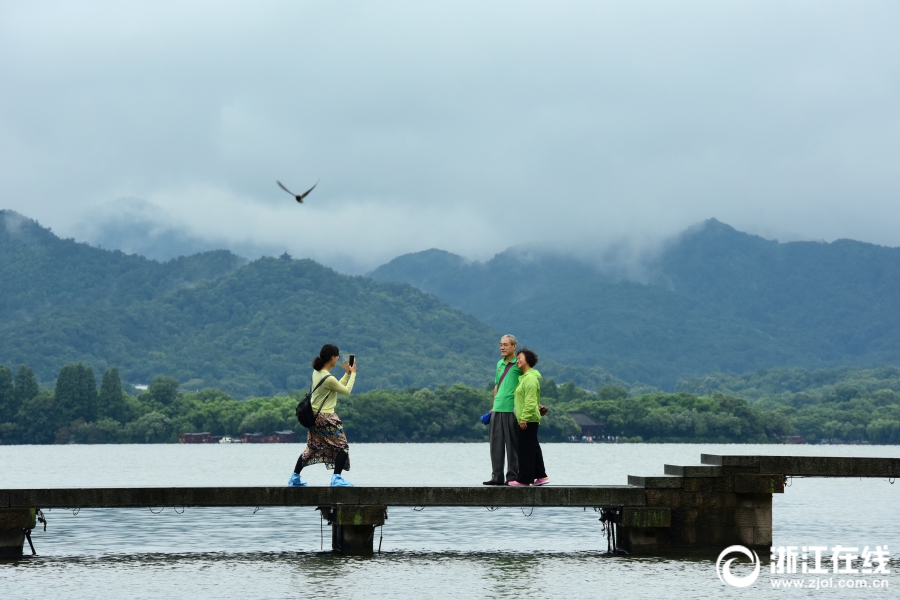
541	481
516	483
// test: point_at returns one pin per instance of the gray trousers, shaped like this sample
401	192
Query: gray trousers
504	438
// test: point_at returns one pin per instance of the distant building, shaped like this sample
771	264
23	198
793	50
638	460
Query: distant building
589	427
285	256
278	437
195	438
286	437
793	439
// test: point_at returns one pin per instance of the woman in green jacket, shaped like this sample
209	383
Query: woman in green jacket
528	413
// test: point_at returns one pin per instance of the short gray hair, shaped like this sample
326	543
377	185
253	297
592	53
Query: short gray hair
511	338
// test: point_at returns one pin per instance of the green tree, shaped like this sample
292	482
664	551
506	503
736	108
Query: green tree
76	392
883	431
8	406
39	419
163	390
265	420
26	385
152	427
612	392
111	403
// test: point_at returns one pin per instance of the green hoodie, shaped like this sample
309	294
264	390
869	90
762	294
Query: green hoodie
528	397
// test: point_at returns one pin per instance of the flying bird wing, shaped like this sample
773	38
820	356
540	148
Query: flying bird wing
285	189
306	193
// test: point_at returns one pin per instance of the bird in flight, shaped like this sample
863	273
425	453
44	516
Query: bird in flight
300	197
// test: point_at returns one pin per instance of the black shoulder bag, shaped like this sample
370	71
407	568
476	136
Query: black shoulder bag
304	409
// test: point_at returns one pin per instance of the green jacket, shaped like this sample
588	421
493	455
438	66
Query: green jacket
528	397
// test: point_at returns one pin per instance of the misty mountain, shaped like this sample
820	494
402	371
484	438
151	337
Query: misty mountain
136	226
716	300
214	320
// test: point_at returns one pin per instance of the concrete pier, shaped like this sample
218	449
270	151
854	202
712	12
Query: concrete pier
14	522
353	528
115	497
726	500
352	512
688	509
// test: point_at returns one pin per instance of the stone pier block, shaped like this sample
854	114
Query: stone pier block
741	462
753	517
353	528
687	516
693	470
18	518
708	484
753	500
663	497
700	499
639	540
762	536
359	515
13	523
644	516
762	483
11	541
726	500
655	481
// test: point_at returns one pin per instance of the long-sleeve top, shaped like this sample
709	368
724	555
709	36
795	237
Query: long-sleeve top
326	395
528	397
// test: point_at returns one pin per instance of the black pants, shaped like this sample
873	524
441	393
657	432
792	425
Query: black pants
531	460
340	463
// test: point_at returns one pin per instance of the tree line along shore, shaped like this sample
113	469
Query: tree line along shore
769	406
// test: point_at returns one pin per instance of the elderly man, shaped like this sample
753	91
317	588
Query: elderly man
503	425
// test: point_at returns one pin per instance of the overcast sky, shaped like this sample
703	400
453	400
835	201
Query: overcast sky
467	126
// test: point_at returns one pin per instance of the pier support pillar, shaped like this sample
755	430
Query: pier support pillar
13	523
353	527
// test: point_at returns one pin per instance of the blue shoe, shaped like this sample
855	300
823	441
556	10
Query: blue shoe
295	481
338	481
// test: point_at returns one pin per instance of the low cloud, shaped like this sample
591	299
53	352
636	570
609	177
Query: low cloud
593	128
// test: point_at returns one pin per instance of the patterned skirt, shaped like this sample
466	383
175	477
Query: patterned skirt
324	441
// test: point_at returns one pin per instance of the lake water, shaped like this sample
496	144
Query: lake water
436	552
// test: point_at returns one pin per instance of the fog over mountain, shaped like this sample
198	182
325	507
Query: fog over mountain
136	226
712	299
577	126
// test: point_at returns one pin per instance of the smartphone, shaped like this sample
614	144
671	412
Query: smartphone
351	360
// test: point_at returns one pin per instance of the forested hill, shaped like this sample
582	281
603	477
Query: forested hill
210	322
716	299
41	272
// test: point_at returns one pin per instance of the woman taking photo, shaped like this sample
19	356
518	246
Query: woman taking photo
326	442
528	414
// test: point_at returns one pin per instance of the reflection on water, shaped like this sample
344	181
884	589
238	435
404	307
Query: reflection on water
388	575
396	574
440	552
